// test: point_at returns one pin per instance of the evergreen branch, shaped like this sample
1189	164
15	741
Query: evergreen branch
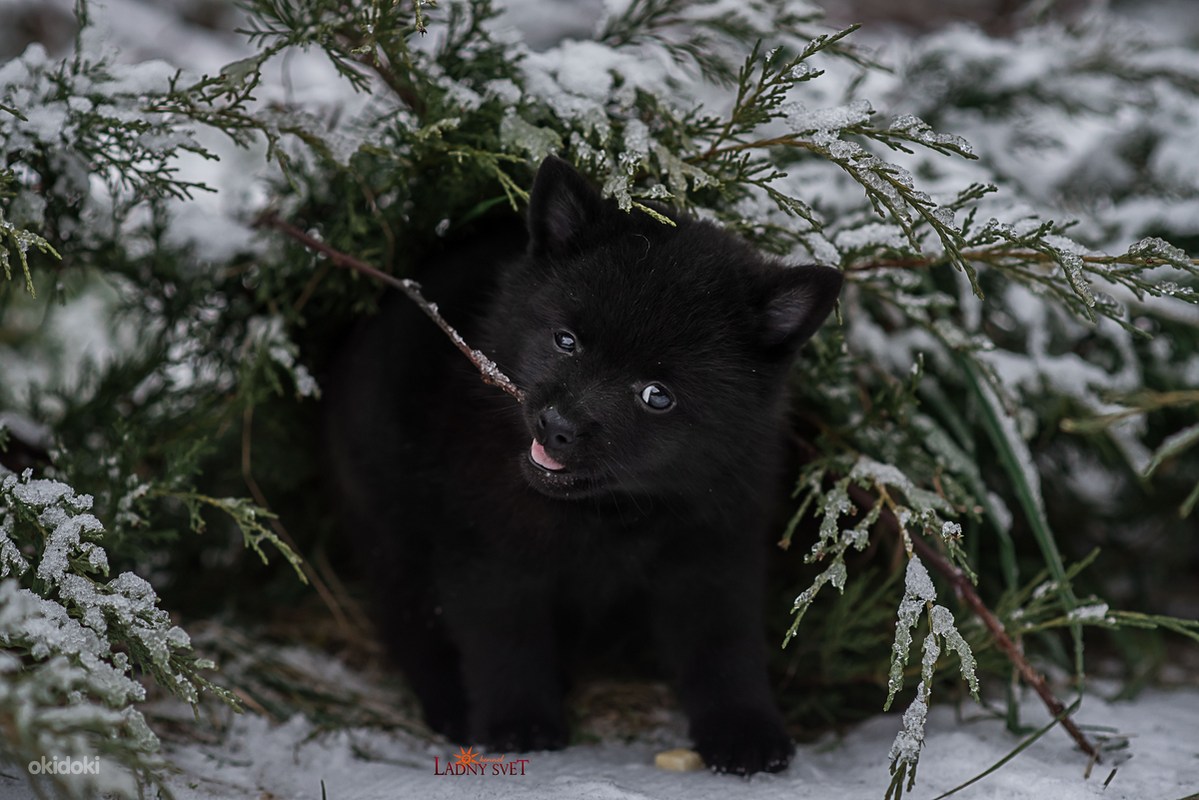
892	137
994	256
1025	258
245	516
701	31
891	193
348	39
965	591
514	192
760	101
222	102
1140	403
1172	447
641	18
1101	616
20	241
889	189
418	17
81	638
488	369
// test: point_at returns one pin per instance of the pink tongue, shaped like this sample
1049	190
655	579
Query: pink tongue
543	458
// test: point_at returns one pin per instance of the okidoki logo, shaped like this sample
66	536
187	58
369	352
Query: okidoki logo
89	765
468	762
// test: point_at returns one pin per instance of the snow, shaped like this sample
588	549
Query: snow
917	583
921	132
1095	612
11	560
58	506
80	331
39	492
25	617
910	741
547	22
805	120
64	540
256	759
943	626
874	234
917	594
535	141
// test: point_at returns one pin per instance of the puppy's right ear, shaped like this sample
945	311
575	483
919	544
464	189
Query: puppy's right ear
796	302
562	206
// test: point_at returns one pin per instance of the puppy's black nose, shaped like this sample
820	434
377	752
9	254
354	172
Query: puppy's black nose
556	430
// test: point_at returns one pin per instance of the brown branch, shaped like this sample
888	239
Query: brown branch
969	595
966	592
364	50
488	369
403	90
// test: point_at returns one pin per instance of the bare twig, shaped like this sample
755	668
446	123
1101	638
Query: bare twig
327	597
969	595
488	369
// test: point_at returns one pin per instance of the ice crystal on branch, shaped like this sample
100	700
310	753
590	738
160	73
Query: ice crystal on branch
920	596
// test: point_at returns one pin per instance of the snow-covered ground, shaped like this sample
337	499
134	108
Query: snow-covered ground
258	760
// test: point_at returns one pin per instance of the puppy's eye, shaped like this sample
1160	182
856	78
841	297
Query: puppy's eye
656	397
565	341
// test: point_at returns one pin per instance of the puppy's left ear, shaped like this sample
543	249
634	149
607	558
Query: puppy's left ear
562	207
796	303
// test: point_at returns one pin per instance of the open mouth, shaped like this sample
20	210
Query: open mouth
541	458
550	476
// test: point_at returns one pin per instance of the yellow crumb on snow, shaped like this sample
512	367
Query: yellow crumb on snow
678	760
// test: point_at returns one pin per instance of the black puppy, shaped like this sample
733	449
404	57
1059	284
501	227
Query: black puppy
637	474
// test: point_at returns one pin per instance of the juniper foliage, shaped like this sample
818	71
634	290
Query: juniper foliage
1008	355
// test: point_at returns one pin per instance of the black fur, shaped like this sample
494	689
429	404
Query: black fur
489	568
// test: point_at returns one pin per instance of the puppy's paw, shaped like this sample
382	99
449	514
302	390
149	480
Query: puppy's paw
524	733
742	741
